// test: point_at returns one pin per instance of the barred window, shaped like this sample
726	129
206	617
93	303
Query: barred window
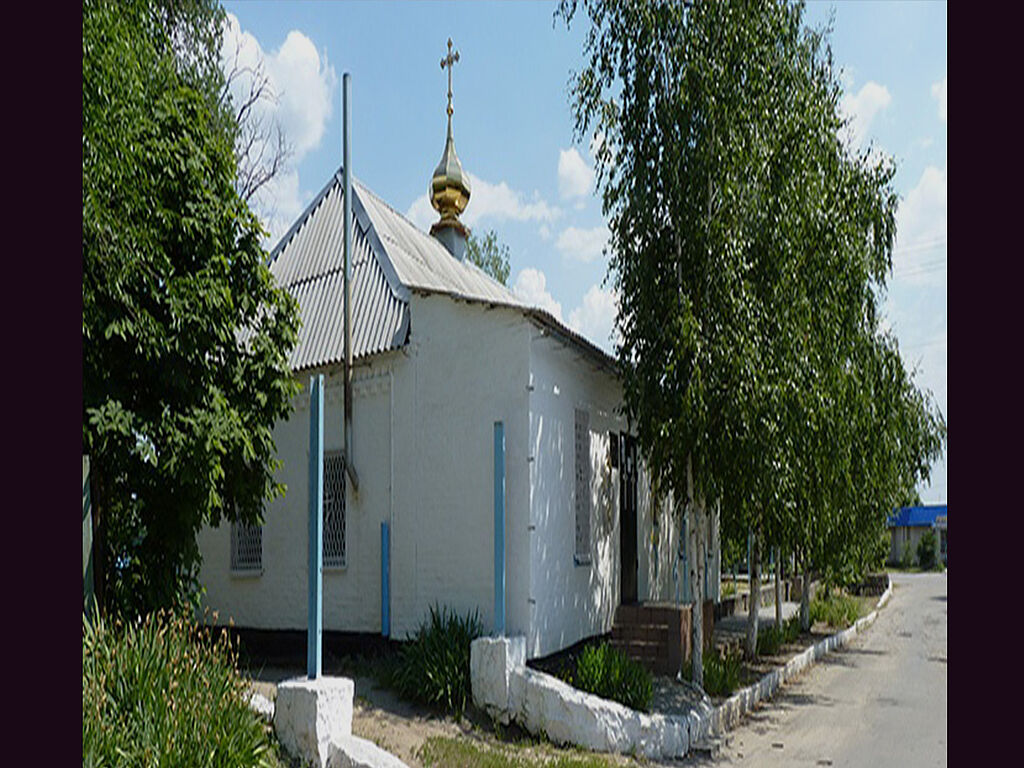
246	547
582	486
334	509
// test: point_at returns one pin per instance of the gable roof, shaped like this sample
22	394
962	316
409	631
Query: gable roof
391	258
908	517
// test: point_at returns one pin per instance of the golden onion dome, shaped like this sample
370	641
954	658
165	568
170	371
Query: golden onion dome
449	186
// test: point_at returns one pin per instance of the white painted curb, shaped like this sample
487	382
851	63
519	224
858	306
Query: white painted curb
729	712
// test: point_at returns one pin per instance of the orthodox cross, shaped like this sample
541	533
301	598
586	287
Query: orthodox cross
449	61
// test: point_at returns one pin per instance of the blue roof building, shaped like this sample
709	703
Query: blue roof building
908	524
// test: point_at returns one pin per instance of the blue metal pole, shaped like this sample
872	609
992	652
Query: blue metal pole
314	626
385	579
499	528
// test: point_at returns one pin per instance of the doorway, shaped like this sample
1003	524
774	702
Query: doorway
628	518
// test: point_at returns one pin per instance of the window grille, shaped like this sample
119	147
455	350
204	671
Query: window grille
582	486
334	510
246	547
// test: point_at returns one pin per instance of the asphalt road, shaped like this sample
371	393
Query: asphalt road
880	701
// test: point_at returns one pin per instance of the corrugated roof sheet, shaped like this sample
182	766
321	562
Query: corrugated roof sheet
309	263
916	516
391	257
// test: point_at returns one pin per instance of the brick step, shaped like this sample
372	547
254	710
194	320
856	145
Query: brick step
650	632
639	648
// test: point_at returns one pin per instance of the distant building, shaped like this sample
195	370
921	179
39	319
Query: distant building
908	524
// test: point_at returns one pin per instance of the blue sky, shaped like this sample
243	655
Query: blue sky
513	132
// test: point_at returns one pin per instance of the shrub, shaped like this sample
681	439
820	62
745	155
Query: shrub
165	691
907	560
791	629
434	667
607	672
722	672
926	551
835	610
768	640
729	589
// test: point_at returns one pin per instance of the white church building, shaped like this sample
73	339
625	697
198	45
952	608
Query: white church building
446	362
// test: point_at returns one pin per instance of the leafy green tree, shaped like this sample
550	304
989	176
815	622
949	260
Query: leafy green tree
490	255
185	336
746	245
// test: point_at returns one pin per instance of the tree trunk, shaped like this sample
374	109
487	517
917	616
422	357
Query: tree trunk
778	588
805	599
696	583
99	571
755	596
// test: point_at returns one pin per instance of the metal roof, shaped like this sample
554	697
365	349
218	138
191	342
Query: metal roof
906	517
309	263
391	258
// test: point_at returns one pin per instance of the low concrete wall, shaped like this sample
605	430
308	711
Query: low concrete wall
728	713
508	690
739	603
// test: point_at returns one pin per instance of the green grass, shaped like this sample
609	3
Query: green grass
465	753
838	610
166	691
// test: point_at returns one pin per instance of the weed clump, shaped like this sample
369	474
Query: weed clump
607	672
433	667
164	690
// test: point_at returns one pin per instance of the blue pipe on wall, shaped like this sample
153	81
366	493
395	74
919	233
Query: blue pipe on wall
499	528
385	579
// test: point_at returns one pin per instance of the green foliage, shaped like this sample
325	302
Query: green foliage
769	639
722	672
490	255
908	557
750	247
926	548
164	691
185	336
729	589
835	609
607	672
434	666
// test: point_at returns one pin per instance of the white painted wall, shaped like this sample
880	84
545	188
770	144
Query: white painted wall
423	433
276	598
570	601
467	369
423	422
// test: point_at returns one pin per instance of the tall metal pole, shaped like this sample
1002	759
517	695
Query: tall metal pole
346	132
314	625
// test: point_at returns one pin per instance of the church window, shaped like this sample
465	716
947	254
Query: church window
334	509
582	495
246	547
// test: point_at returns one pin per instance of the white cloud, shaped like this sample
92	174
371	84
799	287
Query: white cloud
920	250
575	177
422	213
862	108
583	244
939	94
595	317
487	201
301	83
300	86
531	286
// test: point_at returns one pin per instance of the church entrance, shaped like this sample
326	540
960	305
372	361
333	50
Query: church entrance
628	521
